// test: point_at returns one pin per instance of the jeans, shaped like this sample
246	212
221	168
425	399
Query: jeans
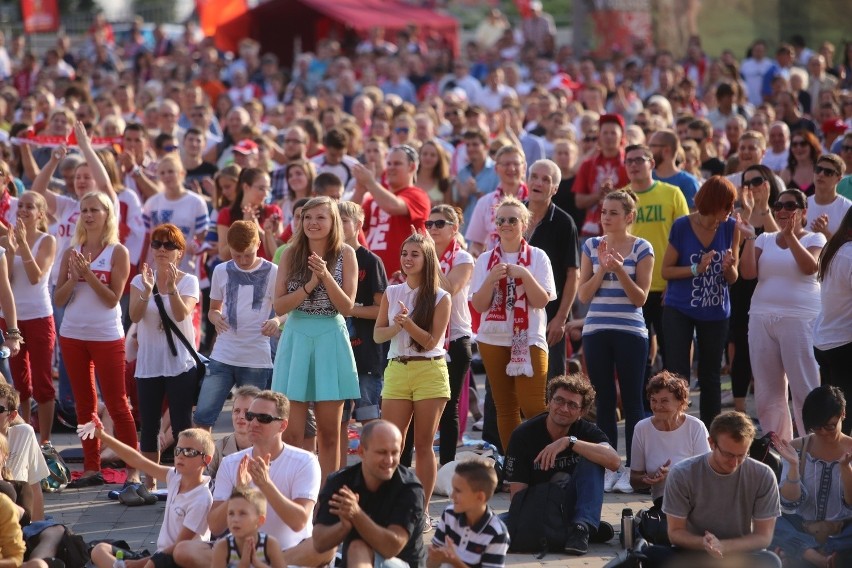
180	391
457	367
611	353
556	359
834	366
791	537
659	556
368	407
220	379
712	337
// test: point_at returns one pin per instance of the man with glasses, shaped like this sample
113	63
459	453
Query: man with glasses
295	147
722	504
825	207
844	187
559	446
288	477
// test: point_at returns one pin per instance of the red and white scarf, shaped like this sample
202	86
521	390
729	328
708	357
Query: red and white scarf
448	259
510	295
497	196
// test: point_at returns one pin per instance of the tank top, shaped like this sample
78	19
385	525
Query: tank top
318	303
86	316
259	550
32	301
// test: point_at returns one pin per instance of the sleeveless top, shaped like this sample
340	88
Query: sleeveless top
318	303
259	550
86	316
32	301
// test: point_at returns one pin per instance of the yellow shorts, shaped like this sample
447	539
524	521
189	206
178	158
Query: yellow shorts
416	380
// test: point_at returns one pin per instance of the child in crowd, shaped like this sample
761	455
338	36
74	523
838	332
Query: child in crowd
487	541
246	545
237	440
189	499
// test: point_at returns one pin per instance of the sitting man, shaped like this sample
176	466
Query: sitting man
720	505
375	508
288	477
559	446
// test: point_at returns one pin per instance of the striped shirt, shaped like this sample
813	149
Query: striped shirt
611	309
483	545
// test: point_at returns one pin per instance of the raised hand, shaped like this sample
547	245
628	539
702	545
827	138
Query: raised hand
728	260
318	266
363	175
498	272
747	202
785	449
208	185
820	224
795	220
11	242
171	278
59	153
147	275
401	318
706	259
744	227
83	139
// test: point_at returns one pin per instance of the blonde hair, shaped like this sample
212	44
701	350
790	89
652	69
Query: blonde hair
109	234
512	201
5	473
351	210
41	206
201	436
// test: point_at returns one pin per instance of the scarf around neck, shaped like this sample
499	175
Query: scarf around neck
511	295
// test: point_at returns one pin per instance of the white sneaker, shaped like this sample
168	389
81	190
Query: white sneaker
623	483
610	479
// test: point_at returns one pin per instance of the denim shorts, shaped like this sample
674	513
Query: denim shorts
220	379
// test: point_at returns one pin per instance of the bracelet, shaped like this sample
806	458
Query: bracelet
13	331
144	299
694	269
751	238
305	288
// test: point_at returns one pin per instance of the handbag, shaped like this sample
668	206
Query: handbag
59	474
762	450
170	327
652	524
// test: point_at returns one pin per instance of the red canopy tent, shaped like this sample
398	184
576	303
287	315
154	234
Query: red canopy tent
279	25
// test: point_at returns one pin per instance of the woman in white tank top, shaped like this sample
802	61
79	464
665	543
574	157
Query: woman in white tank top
30	254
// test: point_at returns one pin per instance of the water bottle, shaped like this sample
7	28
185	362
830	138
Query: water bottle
119	560
627	528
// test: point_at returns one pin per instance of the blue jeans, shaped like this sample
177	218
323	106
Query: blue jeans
791	537
220	379
658	556
556	359
712	338
610	353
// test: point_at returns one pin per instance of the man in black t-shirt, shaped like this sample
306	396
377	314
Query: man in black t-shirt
558	446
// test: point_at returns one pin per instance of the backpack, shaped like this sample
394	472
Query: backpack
72	549
538	519
59	473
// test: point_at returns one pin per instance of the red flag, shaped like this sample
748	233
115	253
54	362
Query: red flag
40	16
213	13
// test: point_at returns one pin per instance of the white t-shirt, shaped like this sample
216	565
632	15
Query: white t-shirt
135	239
775	161
652	448
25	462
835	211
188	213
782	289
400	345
66	215
460	322
243	345
188	510
154	358
753	71
295	473
500	332
833	326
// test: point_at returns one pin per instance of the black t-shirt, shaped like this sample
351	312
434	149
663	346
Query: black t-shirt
205	170
565	200
531	437
556	235
371	280
399	501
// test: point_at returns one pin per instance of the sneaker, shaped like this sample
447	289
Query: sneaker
623	483
477	426
610	479
605	533
577	542
427	523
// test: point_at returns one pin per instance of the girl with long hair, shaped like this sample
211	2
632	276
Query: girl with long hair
253	189
300	176
433	173
804	152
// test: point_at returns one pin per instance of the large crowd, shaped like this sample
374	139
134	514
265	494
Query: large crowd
338	242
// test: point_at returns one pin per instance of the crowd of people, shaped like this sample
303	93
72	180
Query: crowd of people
343	240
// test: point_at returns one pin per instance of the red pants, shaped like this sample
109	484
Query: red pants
82	358
32	367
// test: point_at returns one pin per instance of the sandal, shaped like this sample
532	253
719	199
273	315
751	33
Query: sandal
130	497
88	481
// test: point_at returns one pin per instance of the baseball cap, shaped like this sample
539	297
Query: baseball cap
246	147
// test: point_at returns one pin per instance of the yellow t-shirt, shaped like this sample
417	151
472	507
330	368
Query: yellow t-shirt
658	207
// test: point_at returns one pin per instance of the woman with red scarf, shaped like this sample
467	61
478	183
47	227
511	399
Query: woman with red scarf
457	267
512	284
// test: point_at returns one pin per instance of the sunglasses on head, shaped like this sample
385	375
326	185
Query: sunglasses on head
756	180
168	245
188	452
439	224
786	206
825	171
262	418
500	221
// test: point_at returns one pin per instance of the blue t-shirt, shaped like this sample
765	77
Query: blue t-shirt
687	183
704	297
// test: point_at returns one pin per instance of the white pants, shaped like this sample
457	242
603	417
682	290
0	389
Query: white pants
781	349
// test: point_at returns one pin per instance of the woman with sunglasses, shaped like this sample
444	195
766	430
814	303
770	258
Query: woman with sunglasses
91	281
456	267
759	189
511	285
253	189
164	367
817	506
784	307
804	152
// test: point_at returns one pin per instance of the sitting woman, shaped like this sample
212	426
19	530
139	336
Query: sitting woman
816	504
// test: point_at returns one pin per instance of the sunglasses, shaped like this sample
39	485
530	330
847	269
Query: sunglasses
786	206
188	452
3	409
755	181
168	245
799	143
825	171
402	130
635	161
262	418
500	221
590	139
439	224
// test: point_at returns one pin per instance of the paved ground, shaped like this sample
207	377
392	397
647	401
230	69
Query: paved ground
90	513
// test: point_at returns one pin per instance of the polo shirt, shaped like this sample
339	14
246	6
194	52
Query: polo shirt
482	545
556	235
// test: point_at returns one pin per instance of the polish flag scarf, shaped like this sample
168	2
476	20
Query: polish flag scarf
510	295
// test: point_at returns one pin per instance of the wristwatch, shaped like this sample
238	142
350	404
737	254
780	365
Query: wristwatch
572	440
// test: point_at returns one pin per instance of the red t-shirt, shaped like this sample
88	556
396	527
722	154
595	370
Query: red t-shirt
386	232
592	173
268	211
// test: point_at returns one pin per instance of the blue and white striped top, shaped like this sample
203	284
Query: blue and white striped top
610	308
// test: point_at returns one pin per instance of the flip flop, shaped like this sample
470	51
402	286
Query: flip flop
130	497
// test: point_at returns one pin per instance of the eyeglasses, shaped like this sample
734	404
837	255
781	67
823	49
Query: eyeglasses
755	181
262	418
590	139
168	245
831	427
569	404
826	171
786	206
500	221
510	164
799	143
188	452
731	455
170	148
636	161
439	224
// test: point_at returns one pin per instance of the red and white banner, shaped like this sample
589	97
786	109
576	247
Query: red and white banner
98	142
40	16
